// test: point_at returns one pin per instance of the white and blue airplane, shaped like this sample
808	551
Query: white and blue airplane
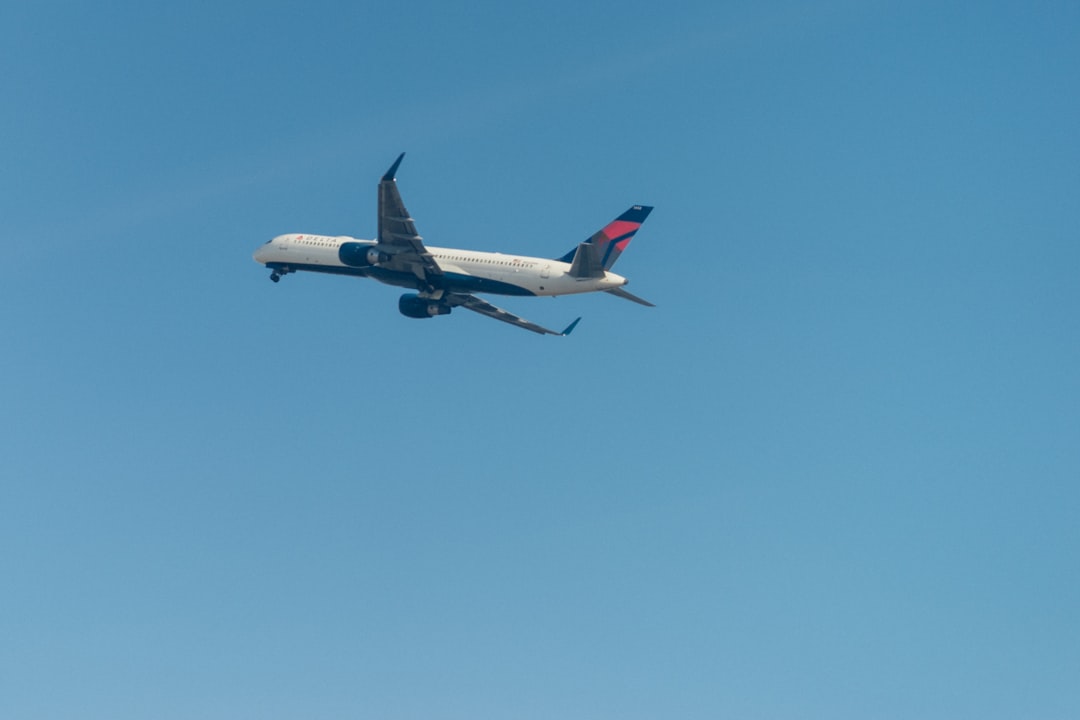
445	278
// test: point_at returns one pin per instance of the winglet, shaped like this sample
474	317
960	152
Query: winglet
570	328
392	172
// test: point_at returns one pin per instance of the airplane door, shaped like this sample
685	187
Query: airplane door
545	271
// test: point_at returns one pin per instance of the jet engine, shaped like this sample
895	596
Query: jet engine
356	254
414	306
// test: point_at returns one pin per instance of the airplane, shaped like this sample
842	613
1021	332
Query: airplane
447	278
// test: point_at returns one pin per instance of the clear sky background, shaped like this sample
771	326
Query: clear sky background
833	474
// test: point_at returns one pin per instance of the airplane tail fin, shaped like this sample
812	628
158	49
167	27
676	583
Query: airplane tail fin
616	235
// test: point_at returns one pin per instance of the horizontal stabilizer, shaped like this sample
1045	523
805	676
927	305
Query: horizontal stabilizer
619	292
586	263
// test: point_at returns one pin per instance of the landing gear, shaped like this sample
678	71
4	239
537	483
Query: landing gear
275	276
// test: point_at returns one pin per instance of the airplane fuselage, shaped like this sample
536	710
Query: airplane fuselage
447	278
463	271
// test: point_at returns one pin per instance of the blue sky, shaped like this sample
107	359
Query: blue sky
833	474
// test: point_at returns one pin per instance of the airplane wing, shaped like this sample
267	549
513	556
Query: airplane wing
398	238
471	302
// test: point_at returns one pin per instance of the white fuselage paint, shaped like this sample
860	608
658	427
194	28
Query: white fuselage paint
538	276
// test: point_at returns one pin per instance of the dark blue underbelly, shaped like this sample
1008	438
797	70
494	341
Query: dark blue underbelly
450	282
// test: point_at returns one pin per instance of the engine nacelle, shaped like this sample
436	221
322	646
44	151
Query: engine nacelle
414	306
355	254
